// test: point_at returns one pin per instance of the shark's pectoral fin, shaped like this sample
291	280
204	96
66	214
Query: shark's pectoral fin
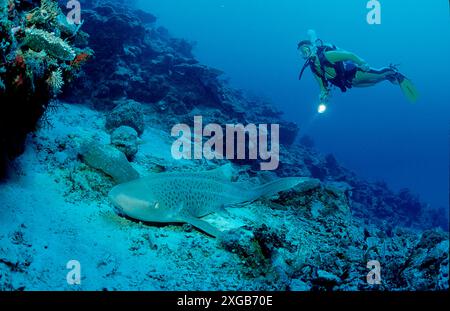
203	226
185	216
222	210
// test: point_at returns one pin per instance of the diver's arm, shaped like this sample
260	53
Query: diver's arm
341	55
324	91
323	88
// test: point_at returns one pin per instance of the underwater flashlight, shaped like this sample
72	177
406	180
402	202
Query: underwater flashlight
322	108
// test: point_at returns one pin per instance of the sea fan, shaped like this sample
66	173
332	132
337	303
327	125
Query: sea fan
56	81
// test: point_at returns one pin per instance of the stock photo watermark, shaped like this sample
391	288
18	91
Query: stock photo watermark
374	15
74	275
374	276
233	142
74	15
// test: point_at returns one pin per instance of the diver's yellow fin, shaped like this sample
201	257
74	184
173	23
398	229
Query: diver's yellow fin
409	90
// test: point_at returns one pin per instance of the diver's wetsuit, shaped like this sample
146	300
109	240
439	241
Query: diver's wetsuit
394	77
349	71
345	70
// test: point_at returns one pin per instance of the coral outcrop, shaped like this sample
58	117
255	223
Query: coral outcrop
109	160
127	113
41	40
36	59
125	139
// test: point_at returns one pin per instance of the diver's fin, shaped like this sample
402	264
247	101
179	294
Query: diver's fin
409	90
203	226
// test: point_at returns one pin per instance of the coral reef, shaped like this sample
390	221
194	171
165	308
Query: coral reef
41	40
36	59
56	81
373	201
47	12
142	62
150	67
125	139
305	239
427	265
126	113
109	160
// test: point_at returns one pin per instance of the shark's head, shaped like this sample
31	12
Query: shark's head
129	201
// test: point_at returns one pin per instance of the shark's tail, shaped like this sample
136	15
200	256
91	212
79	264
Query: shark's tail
273	187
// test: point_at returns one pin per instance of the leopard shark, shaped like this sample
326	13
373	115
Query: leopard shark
186	197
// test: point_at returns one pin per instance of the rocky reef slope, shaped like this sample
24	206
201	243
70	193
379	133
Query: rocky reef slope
138	60
56	210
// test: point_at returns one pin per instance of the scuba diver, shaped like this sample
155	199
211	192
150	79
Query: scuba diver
334	66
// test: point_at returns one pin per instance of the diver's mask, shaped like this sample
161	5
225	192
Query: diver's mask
306	49
306	53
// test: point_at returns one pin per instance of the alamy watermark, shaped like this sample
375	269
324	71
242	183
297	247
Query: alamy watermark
74	15
235	141
374	276
73	277
374	15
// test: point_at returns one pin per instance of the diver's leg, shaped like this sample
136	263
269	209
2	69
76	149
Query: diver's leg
374	76
391	74
361	84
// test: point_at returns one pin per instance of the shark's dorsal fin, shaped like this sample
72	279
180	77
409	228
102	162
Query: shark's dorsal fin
224	173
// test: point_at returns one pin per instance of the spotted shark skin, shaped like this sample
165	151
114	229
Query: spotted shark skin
186	197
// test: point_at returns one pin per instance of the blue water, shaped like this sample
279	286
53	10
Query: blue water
373	131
